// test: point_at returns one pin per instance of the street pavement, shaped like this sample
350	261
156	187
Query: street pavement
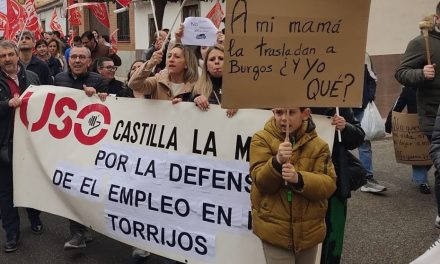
388	228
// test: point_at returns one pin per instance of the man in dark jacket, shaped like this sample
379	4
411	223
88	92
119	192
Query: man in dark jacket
31	62
415	71
92	83
99	50
107	69
14	79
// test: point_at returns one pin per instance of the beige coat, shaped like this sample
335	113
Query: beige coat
157	86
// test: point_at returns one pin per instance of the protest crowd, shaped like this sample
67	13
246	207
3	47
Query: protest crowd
287	158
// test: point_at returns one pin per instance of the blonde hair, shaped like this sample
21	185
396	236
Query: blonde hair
204	85
191	74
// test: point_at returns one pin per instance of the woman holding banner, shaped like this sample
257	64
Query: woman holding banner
208	88
352	136
292	178
174	83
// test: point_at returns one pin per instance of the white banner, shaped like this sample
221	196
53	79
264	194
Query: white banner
166	178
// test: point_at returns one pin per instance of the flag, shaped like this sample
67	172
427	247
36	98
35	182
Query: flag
54	25
101	13
114	41
216	14
124	2
33	22
74	15
16	16
99	10
3	21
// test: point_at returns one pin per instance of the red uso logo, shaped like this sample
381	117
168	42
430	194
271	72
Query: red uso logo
95	110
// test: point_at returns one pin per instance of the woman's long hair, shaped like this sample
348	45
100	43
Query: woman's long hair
204	84
191	74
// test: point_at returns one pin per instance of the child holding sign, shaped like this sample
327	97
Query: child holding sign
291	182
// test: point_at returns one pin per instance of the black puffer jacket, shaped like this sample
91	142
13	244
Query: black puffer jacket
91	79
352	137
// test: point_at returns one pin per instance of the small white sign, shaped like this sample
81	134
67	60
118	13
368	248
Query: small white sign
199	31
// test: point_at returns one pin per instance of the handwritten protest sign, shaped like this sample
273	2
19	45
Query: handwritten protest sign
166	178
294	53
199	31
410	145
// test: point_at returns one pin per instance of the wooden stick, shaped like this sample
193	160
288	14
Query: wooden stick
287	139
426	25
428	53
174	23
21	33
339	131
154	17
165	41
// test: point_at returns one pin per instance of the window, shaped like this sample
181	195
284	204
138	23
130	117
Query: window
123	23
151	29
190	11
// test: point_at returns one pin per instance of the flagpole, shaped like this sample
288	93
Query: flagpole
21	32
174	23
154	17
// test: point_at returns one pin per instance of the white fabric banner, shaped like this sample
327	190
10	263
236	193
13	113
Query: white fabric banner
166	178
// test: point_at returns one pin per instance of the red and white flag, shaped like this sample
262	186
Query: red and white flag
74	16
54	25
3	21
99	10
124	2
16	16
114	41
216	14
33	21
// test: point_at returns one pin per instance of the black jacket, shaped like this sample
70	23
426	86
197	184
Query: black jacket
368	91
115	86
352	137
410	73
41	69
54	66
91	79
25	79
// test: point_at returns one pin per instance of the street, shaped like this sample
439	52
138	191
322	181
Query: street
393	227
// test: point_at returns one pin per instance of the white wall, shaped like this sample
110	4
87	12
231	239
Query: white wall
393	23
47	15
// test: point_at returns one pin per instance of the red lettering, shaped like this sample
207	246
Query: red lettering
45	113
67	121
23	108
59	111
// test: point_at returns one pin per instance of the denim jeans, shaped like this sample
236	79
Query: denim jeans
365	152
420	174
